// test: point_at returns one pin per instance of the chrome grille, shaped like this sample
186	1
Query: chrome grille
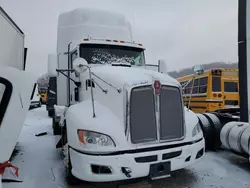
171	114
156	117
142	115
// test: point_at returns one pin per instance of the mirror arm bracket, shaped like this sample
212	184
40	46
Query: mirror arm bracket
78	84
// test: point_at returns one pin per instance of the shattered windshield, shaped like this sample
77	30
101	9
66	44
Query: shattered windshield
111	54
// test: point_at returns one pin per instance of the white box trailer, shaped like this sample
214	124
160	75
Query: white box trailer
15	91
11	42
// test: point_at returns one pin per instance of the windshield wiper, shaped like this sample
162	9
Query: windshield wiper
121	65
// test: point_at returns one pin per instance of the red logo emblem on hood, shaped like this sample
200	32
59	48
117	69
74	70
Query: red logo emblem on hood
157	86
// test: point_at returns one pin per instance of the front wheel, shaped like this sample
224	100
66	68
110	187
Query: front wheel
50	113
56	127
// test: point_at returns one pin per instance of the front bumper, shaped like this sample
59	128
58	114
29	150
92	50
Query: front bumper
81	163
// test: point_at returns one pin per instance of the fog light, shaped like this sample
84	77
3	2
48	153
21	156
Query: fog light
199	153
97	169
188	159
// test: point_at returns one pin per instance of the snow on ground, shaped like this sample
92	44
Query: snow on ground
41	165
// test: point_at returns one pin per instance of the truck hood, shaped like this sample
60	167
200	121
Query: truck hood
131	76
112	80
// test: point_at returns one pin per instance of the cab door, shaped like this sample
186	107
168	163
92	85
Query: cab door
15	92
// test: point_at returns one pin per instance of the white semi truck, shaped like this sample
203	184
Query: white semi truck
15	91
118	120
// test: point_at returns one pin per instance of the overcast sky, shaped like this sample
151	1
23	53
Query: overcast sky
183	32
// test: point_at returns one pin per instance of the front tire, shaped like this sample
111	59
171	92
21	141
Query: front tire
50	113
56	127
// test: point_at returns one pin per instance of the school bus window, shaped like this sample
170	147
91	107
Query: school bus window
183	84
203	85
196	86
188	88
189	84
230	87
216	85
195	90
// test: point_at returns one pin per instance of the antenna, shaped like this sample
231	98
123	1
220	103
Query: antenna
133	26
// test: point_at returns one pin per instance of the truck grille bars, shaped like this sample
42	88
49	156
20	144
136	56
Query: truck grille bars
156	118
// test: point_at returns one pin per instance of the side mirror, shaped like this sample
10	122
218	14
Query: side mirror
80	65
198	70
52	65
162	66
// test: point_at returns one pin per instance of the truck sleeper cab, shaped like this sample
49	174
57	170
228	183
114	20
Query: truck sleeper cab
120	120
137	126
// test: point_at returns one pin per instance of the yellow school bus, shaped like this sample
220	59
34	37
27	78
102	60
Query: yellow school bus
214	89
43	94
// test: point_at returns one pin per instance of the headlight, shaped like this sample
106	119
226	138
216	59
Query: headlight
196	130
89	138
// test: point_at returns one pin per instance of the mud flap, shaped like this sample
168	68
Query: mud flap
63	140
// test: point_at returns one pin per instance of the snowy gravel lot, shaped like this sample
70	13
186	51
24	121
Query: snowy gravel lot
41	165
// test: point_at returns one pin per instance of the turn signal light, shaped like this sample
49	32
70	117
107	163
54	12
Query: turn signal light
220	95
214	95
81	136
115	40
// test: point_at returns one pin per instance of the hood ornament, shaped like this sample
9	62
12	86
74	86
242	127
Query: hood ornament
157	87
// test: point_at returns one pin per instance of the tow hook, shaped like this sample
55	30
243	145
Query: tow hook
127	171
